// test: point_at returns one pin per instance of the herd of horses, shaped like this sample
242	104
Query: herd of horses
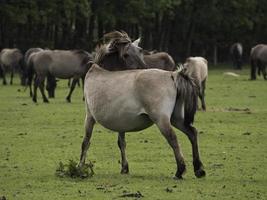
126	89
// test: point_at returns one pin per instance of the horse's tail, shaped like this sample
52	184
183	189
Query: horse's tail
30	71
187	91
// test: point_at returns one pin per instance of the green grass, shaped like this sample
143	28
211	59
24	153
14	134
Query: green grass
34	138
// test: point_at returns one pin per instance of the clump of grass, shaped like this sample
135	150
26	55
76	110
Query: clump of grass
72	170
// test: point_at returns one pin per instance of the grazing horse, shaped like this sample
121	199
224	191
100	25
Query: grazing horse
158	60
12	59
137	103
236	52
197	67
258	60
63	64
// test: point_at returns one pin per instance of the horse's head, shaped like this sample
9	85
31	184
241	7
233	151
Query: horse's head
128	52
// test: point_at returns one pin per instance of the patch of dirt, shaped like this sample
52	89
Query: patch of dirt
137	194
238	109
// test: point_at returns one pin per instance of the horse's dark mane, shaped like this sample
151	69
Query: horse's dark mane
187	89
110	48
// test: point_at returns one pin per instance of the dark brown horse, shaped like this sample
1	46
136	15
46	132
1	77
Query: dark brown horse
258	61
119	53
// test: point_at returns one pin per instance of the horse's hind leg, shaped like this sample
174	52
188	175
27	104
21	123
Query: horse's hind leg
191	133
11	76
41	87
73	84
89	125
35	86
4	75
167	131
122	146
264	72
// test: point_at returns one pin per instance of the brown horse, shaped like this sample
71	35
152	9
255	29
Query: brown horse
158	60
119	53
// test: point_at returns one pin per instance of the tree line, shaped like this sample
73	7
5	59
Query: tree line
180	27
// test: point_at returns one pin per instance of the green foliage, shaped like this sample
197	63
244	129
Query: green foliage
181	27
74	171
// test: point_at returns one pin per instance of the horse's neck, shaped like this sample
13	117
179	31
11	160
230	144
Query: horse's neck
112	62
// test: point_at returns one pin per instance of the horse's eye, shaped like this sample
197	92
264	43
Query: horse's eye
126	55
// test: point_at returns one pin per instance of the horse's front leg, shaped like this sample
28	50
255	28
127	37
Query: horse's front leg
191	133
122	146
89	125
73	84
4	75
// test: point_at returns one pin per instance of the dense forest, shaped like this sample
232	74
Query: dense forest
180	27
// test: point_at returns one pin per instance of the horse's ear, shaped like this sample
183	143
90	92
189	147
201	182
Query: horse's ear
136	42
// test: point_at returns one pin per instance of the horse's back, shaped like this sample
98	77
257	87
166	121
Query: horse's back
259	52
197	67
60	63
122	100
10	57
160	60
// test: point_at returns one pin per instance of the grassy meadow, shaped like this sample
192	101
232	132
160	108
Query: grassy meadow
34	138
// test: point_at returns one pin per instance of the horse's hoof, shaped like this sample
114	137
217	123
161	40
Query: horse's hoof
178	178
181	170
4	83
34	100
46	101
125	169
200	173
68	100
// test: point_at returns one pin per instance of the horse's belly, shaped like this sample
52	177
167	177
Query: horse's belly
127	123
63	72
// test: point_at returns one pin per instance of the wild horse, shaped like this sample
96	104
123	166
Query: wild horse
258	61
11	60
63	64
138	102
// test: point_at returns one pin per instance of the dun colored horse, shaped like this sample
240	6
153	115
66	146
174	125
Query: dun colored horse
258	60
138	102
11	60
236	52
197	67
63	64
